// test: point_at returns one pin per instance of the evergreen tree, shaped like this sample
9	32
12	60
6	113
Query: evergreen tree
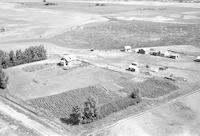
3	79
19	57
12	58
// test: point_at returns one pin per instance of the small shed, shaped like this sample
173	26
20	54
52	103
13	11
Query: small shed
127	48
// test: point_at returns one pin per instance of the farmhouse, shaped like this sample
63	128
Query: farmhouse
67	60
127	48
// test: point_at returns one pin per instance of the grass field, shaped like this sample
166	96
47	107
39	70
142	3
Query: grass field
117	34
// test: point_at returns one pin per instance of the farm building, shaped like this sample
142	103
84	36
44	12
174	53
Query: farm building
67	60
153	51
141	51
166	53
197	59
127	48
174	56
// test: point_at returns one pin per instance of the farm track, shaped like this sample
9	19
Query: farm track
94	133
26	120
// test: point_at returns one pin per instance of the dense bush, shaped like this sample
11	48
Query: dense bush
31	54
3	79
136	95
75	117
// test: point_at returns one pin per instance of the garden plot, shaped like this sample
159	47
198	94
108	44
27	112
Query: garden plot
61	105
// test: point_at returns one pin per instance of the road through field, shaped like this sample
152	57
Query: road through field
26	121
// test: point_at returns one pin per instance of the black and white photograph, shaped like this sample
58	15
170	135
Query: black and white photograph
99	67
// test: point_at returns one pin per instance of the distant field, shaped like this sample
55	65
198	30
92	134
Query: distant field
116	34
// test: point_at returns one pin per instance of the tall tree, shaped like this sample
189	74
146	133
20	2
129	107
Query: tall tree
19	57
90	112
12	58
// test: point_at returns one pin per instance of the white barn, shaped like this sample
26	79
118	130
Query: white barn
67	59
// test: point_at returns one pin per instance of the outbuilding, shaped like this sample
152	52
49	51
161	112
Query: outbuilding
174	56
127	48
67	59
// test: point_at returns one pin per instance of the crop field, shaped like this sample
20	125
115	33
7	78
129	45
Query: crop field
61	105
116	34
